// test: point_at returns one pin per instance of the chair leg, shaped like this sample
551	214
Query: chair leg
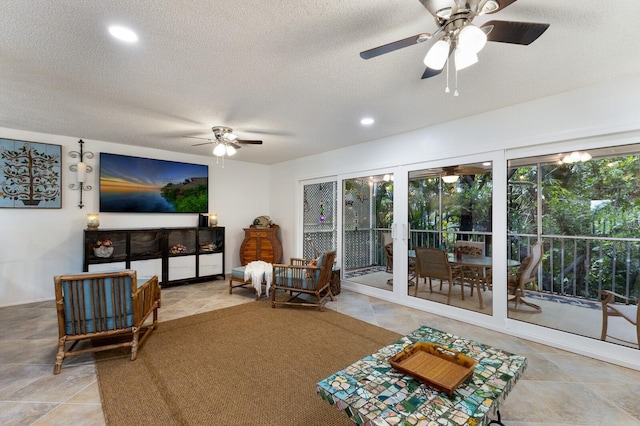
134	343
605	320
59	356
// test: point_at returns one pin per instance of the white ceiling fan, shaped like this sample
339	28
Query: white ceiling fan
226	142
458	37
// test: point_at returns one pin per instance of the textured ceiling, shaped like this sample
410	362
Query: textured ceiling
287	72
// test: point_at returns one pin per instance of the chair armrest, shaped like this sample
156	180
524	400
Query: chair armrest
281	265
610	296
146	298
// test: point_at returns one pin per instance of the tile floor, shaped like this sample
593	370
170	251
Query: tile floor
558	387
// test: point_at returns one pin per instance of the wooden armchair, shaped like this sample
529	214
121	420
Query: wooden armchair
304	277
626	310
100	305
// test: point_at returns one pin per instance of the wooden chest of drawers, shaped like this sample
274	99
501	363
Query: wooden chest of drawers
261	244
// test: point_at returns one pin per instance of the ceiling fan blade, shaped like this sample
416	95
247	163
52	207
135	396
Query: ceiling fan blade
196	137
430	72
514	32
210	141
469	170
233	144
387	48
249	142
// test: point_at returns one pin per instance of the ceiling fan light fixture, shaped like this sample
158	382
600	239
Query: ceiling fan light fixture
230	150
437	55
450	178
464	58
472	38
577	157
219	150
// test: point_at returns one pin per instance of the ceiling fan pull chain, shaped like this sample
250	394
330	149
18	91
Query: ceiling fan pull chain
455	92
446	89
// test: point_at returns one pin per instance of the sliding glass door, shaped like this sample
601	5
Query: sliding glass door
450	210
367	218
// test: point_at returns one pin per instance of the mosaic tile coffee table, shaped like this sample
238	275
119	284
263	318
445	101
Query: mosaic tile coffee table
371	392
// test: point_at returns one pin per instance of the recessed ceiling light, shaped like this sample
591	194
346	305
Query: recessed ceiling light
123	34
367	121
486	163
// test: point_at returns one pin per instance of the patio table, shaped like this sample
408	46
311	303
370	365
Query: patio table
371	392
480	264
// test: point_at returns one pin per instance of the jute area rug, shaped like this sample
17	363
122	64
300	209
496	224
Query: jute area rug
245	365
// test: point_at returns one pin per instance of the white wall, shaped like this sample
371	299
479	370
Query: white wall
37	244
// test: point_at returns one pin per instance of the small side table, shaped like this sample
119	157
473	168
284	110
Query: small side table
334	285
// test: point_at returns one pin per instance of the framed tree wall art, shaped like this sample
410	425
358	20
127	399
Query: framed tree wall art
30	174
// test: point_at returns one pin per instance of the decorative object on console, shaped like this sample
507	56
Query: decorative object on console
213	219
178	249
93	221
262	222
103	248
30	174
81	169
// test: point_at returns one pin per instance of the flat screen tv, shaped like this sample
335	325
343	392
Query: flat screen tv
144	185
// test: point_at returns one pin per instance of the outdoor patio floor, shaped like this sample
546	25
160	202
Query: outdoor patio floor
573	315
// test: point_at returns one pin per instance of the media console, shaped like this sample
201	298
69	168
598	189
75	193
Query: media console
175	255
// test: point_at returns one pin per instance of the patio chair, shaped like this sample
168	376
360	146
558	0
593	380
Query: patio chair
475	276
526	274
388	255
103	305
626	310
304	278
434	263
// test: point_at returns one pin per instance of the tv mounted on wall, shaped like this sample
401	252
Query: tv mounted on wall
145	185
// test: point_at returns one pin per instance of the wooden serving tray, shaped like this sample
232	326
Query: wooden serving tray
440	367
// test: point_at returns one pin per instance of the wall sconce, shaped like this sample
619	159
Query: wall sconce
81	169
93	221
213	220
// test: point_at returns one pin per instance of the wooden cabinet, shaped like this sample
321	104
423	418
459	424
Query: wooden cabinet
175	255
261	244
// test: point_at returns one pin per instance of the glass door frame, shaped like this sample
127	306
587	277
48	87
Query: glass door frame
497	318
400	260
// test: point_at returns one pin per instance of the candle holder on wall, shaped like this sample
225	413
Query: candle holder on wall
81	169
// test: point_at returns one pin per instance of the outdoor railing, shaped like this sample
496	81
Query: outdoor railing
584	266
571	266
